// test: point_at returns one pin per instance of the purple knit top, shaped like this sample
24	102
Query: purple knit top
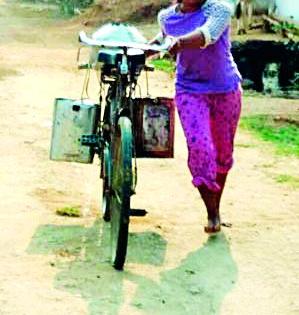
203	70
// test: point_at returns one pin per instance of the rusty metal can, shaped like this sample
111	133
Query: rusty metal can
154	127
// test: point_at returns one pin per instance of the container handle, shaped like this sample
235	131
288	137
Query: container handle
76	108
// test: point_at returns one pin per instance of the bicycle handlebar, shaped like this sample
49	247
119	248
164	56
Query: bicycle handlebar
85	40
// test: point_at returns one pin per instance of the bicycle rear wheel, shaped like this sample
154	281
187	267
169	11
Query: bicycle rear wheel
121	191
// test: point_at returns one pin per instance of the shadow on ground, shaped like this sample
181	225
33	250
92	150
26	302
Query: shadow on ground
197	286
83	257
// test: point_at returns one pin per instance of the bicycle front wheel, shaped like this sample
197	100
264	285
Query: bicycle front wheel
121	191
106	176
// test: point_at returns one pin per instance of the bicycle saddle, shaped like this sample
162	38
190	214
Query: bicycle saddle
113	57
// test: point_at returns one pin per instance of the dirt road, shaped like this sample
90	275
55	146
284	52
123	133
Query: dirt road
56	265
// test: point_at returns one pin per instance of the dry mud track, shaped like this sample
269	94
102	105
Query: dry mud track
56	265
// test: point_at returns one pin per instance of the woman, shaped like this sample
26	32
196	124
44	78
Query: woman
208	93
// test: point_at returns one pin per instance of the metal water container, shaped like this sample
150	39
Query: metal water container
71	120
154	127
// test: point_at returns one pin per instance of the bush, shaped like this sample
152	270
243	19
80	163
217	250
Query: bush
69	7
66	7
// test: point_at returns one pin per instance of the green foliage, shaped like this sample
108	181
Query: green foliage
68	7
285	136
69	211
295	81
285	26
166	65
287	179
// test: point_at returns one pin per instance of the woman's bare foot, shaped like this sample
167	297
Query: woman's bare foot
211	200
214	226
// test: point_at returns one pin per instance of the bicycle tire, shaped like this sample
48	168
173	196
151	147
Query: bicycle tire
106	177
121	191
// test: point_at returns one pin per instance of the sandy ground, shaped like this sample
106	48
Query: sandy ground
57	265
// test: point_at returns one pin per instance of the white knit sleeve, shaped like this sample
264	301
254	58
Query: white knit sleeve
161	17
218	15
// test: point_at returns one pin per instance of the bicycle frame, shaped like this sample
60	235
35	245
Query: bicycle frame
118	101
122	83
119	81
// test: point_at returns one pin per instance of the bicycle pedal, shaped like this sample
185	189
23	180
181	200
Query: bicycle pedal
138	212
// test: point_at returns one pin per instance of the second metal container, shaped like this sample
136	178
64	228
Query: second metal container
154	127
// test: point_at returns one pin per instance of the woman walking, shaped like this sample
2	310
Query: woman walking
208	93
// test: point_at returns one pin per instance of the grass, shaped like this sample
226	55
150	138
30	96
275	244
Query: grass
73	211
284	135
166	65
288	179
242	145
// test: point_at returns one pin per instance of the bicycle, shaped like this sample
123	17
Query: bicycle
114	139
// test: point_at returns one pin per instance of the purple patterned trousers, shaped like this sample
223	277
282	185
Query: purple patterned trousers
209	122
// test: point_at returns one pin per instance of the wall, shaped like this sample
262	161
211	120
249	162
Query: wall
288	9
254	57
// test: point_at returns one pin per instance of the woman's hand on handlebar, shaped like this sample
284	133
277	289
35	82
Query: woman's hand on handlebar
171	44
151	54
175	46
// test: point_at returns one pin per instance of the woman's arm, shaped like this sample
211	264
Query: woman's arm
159	38
219	15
